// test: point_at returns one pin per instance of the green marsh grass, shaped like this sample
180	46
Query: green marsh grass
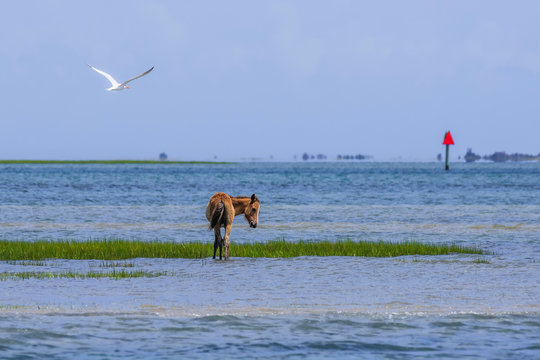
123	249
27	263
114	274
112	264
481	261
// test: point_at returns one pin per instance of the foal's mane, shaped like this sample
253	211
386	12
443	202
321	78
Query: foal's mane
244	198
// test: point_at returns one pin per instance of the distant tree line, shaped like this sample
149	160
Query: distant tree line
307	156
351	157
500	156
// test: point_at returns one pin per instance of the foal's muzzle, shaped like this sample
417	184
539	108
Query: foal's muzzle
253	224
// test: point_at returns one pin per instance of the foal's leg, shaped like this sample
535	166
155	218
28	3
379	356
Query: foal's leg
228	228
220	247
217	241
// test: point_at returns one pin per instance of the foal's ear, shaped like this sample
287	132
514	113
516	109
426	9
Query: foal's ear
254	198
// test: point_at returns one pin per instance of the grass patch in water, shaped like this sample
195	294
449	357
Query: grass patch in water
27	263
108	162
112	264
114	274
123	249
481	261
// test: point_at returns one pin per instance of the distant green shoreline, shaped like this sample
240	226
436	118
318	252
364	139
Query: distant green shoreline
124	249
108	162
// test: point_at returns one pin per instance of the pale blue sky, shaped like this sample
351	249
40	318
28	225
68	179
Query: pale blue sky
242	79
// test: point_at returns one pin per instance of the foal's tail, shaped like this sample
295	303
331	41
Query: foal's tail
217	215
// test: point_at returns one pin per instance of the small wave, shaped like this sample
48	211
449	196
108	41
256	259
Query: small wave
328	335
100	225
385	311
342	227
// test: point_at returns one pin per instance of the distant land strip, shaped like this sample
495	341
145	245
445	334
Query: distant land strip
109	162
117	249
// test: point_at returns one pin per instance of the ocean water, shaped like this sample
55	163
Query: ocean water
452	306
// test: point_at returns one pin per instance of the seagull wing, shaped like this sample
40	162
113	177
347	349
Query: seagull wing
109	77
136	77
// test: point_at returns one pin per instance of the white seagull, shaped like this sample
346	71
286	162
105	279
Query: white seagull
115	85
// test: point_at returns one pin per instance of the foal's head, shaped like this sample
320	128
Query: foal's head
252	211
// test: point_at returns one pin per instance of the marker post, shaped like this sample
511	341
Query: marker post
448	141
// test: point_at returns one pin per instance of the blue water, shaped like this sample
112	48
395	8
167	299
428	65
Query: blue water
407	307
